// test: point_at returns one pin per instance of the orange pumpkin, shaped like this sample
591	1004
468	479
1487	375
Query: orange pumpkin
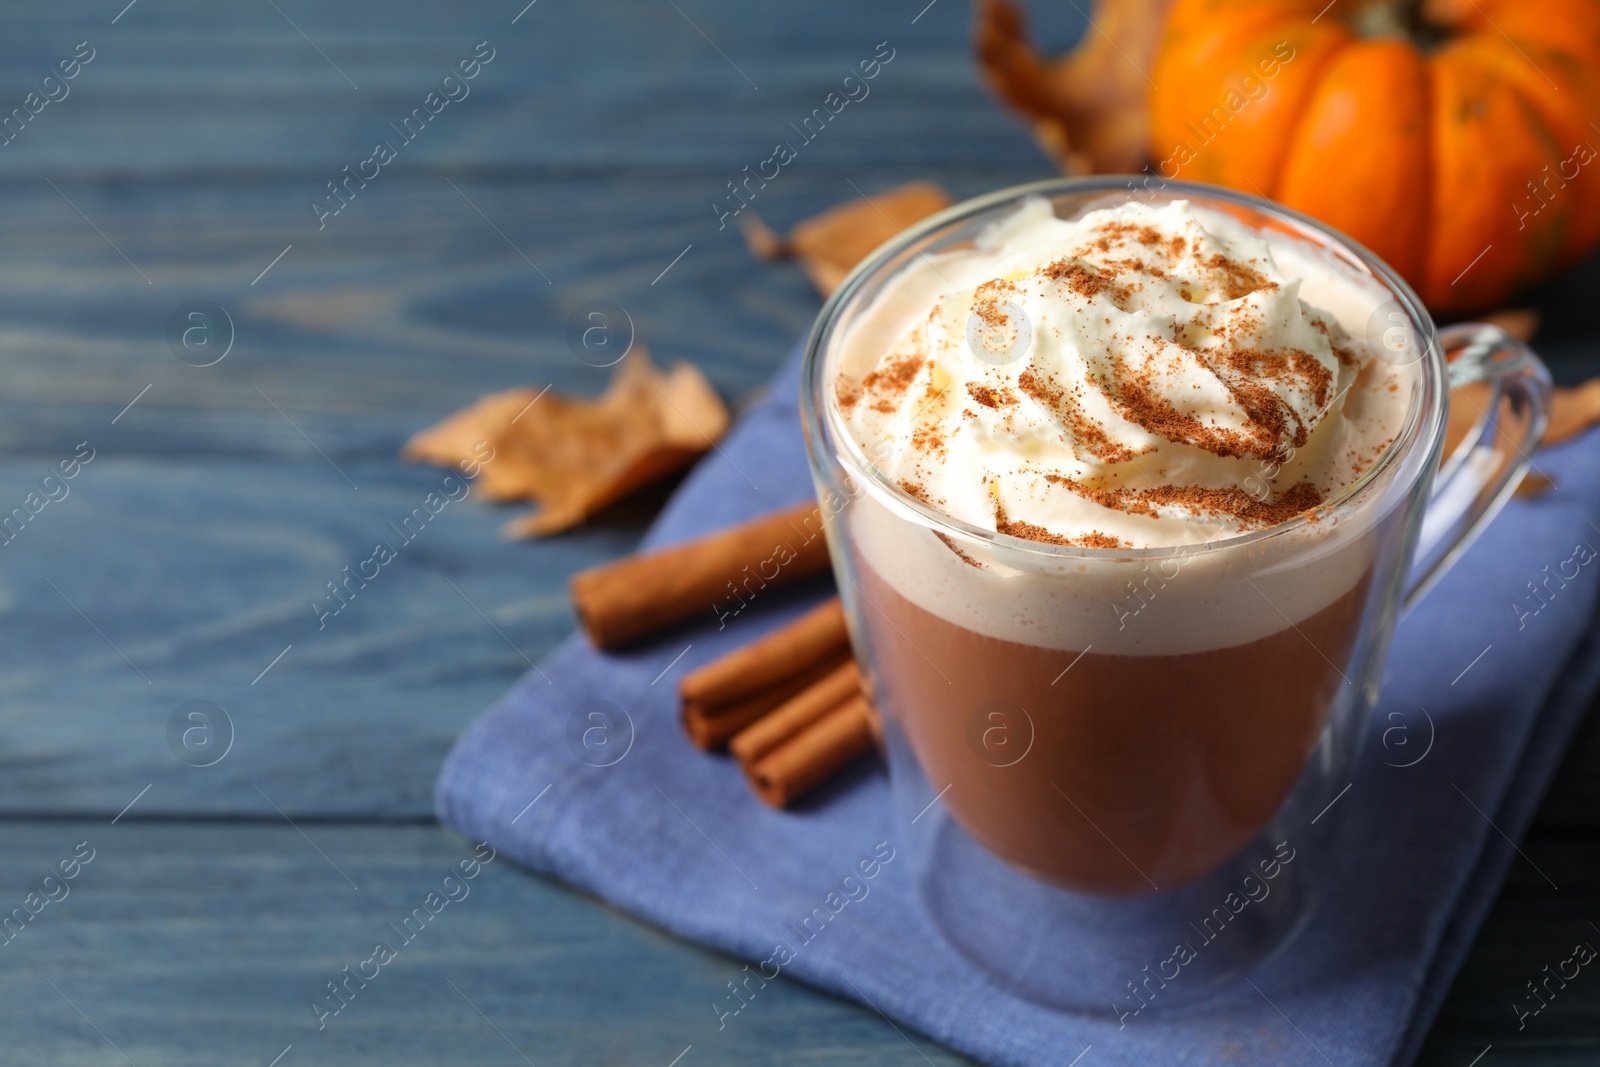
1453	138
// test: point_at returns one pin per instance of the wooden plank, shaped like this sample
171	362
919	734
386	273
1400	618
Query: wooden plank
217	506
180	88
1572	807
206	944
157	582
597	142
408	305
1531	927
199	945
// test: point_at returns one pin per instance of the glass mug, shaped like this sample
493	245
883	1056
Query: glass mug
1149	768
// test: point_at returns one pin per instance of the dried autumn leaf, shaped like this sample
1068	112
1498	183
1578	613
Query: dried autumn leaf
1467	405
1533	485
1521	323
574	456
831	244
1088	107
456	441
760	238
1572	410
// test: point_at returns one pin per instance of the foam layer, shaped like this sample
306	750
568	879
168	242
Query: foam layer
1137	377
1044	469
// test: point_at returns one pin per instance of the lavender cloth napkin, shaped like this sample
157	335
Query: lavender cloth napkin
675	836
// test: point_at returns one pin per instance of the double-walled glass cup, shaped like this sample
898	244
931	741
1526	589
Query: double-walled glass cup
1100	754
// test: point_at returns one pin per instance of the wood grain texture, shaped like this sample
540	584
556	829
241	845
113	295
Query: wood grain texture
188	552
177	87
1530	928
203	945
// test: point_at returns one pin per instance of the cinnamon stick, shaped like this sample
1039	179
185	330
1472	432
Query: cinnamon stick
796	714
756	667
809	757
711	727
636	596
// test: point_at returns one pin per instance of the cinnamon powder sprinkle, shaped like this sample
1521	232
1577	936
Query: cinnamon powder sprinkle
1086	281
1238	280
927	438
1347	359
952	546
1268	411
847	391
894	375
1088	433
991	397
1149	236
986	300
1136	399
1259	383
1249	369
986	305
1243	372
1029	531
1291	366
1096	539
1135	266
1111	499
1233	503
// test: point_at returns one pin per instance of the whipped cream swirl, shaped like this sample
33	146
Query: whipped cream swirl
1135	377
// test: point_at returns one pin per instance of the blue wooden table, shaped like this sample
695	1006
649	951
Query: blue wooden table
183	163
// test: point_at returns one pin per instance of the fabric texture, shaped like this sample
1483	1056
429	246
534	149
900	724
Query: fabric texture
675	836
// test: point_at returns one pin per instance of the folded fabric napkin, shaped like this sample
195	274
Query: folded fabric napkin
675	836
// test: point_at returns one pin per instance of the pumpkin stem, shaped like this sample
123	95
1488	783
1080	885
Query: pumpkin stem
1388	18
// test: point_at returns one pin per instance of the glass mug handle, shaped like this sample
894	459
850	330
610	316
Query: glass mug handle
1484	470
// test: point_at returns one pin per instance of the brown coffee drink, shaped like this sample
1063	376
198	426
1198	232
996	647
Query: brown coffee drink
1108	774
1099	574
